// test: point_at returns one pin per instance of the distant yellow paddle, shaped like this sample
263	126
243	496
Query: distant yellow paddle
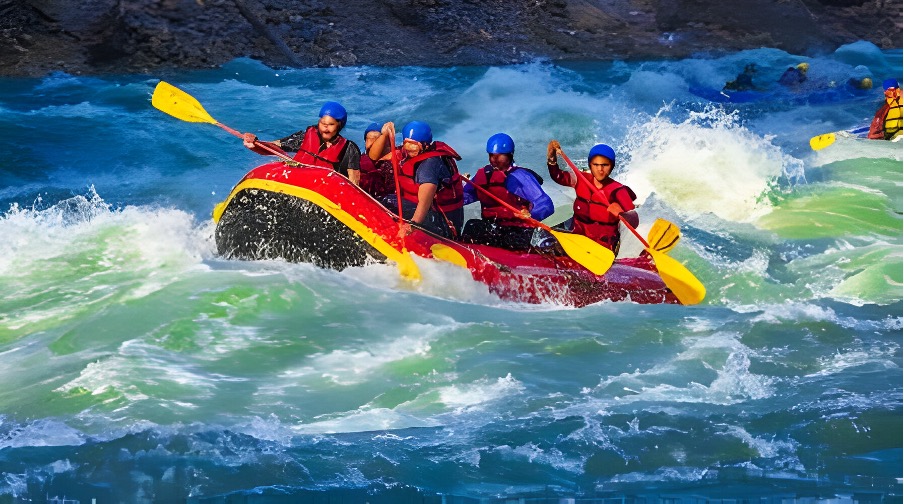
181	105
586	252
820	142
682	282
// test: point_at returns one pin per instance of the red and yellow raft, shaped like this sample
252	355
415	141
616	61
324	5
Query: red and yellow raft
315	215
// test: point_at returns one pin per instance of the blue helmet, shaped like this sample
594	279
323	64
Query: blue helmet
371	127
500	143
418	131
889	83
601	150
334	110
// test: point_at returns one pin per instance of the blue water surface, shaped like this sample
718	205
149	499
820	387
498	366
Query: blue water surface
139	366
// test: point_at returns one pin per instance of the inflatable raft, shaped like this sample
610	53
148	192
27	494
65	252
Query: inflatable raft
315	215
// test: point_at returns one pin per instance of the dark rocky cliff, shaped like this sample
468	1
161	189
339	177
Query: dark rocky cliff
143	36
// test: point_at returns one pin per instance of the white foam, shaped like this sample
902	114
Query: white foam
534	454
706	163
438	279
662	474
149	237
365	420
875	354
134	369
767	448
799	311
45	432
480	392
721	353
105	255
350	366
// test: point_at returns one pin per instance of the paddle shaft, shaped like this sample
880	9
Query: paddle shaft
395	172
398	188
257	143
506	205
602	195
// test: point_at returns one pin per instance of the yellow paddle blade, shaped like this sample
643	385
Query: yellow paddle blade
663	236
448	254
407	268
682	282
822	141
588	253
179	104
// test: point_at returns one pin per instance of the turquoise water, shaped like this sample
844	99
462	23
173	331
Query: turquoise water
140	367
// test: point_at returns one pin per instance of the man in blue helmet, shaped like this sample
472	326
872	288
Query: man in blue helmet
429	182
376	176
594	216
503	180
320	144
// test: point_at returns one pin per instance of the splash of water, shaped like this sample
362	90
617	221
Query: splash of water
706	163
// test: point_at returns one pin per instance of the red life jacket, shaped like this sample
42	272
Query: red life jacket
376	177
310	154
494	182
450	193
591	213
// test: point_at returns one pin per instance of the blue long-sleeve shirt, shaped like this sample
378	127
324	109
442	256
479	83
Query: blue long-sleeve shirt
521	183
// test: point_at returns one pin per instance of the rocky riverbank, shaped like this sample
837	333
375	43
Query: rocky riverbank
145	36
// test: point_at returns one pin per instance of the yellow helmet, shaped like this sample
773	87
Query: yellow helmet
803	67
866	83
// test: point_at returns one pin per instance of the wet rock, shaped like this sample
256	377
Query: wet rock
141	36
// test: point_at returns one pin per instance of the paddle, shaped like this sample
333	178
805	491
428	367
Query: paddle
682	282
408	270
181	105
663	235
820	142
586	252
